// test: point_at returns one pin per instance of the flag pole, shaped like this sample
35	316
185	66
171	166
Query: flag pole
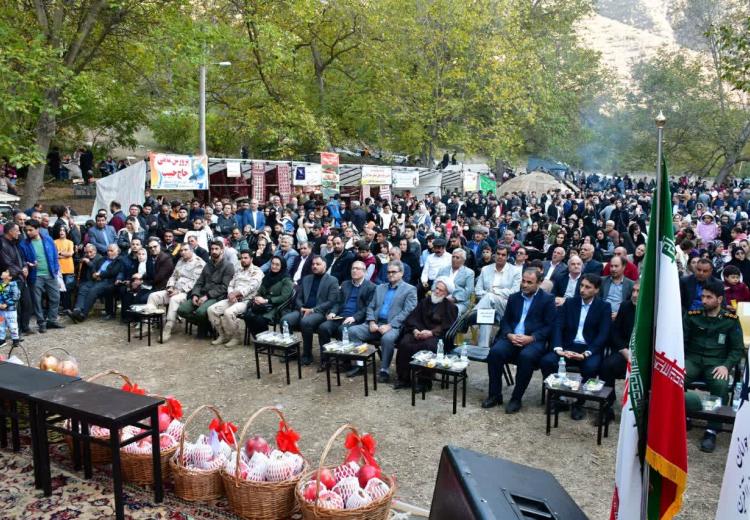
661	122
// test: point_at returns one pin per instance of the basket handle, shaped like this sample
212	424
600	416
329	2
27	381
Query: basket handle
25	353
244	432
55	348
107	373
323	456
185	425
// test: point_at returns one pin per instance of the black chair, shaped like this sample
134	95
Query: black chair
284	306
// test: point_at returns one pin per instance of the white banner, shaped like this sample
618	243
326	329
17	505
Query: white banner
405	179
376	175
178	172
234	169
307	175
471	181
734	500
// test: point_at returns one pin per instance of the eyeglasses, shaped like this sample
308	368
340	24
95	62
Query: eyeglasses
393	272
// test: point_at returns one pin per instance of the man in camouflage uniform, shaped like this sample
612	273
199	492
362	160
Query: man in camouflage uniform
713	346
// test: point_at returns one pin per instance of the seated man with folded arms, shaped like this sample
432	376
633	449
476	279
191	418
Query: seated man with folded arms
580	334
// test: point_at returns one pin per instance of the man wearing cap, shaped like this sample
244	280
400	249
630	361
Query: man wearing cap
211	286
434	262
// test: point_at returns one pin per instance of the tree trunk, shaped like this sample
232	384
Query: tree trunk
45	131
733	154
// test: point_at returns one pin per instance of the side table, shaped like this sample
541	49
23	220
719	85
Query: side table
367	357
273	344
723	415
86	404
602	398
447	377
150	318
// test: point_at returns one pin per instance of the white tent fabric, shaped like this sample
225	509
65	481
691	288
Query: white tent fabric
127	187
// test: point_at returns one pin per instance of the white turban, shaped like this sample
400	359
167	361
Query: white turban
445	281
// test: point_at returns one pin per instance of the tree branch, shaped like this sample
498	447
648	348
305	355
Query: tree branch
83	33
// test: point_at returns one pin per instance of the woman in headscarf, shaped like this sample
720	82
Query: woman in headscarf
424	327
740	261
275	290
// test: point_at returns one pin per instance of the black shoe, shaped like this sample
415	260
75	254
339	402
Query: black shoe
307	360
398	385
77	316
708	444
492	402
41	329
577	413
27	331
513	406
356	371
384	377
55	325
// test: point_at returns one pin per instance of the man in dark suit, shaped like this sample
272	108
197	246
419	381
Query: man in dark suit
555	267
691	286
302	264
198	250
565	285
355	296
316	296
102	274
616	288
524	330
580	334
339	261
589	264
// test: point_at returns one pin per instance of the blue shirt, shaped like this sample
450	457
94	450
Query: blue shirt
350	306
521	327
390	294
581	320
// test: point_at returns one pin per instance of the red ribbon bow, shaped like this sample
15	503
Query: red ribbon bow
361	448
225	430
286	438
133	389
172	407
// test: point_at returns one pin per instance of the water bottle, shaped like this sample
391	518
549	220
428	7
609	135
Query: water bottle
285	330
561	368
345	336
440	350
737	399
465	352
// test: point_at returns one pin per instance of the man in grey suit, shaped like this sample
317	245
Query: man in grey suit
387	311
462	278
101	235
355	296
616	288
316	296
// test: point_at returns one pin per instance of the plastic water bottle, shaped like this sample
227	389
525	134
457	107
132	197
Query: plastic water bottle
561	368
345	336
465	351
285	330
737	399
440	350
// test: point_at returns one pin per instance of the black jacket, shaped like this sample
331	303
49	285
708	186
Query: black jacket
342	268
11	258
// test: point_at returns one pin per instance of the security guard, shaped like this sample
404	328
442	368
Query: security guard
713	346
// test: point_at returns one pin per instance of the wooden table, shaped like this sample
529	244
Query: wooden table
366	357
448	376
723	415
287	350
88	404
17	382
603	398
155	318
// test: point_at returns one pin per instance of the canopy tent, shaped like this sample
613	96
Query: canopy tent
537	181
128	186
7	198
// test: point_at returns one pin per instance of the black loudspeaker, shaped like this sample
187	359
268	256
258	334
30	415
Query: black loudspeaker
471	485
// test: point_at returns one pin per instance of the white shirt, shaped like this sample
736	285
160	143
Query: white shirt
551	271
298	272
433	265
570	290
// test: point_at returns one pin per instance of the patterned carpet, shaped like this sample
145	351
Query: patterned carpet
73	497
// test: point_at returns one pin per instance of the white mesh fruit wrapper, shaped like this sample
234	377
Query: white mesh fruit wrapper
224	449
346	487
376	488
349	469
256	473
174	429
295	461
259	459
202	455
129	432
358	499
99	432
311	484
214	464
202	439
166	442
278	469
330	500
275	453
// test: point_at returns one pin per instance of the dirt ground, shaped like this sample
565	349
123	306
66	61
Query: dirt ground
410	439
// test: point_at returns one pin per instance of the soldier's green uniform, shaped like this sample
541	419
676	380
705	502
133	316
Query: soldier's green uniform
711	342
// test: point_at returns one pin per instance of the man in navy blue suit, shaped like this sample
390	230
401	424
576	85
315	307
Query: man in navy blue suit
580	334
524	330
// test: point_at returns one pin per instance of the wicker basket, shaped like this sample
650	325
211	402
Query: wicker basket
138	468
100	454
68	356
195	485
260	500
376	510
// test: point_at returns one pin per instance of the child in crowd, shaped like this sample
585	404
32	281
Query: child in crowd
9	295
735	291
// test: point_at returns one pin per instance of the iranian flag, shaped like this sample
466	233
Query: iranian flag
654	436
